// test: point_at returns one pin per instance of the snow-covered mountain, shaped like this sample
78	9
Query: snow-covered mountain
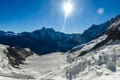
96	31
97	63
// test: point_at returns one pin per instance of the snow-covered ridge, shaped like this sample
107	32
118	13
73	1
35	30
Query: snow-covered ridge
73	53
100	64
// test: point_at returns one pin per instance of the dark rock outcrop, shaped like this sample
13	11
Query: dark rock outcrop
23	52
17	55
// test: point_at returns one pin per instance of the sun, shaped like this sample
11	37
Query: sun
68	8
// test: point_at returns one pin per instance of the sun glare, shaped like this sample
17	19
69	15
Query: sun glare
67	7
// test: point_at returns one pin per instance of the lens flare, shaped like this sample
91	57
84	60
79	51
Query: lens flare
67	8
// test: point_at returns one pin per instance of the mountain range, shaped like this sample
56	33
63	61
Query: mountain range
47	40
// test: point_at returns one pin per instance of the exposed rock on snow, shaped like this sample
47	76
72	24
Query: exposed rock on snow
35	67
17	54
7	72
112	33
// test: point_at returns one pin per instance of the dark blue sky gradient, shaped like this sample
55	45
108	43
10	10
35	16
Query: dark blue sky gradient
29	15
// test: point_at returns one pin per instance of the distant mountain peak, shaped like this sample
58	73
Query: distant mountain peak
44	29
117	18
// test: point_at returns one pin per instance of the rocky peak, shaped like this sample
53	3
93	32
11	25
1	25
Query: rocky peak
117	18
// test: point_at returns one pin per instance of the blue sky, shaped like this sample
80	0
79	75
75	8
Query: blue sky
29	15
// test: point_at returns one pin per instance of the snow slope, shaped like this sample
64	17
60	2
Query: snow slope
42	66
35	67
100	64
96	64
